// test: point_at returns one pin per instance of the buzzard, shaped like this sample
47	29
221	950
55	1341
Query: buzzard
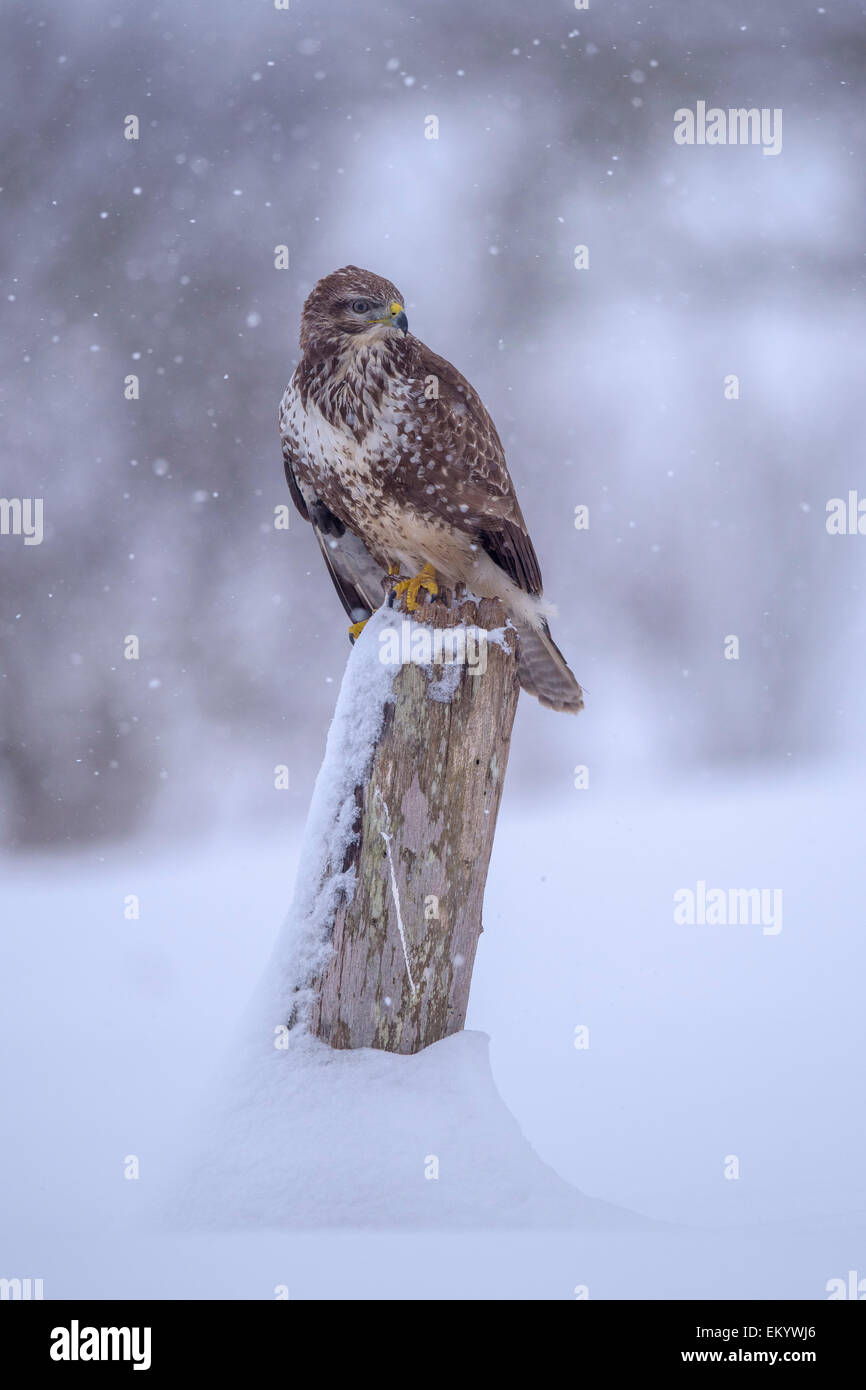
393	459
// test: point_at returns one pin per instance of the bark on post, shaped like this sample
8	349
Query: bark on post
404	946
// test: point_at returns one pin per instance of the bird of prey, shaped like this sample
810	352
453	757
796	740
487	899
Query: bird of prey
393	459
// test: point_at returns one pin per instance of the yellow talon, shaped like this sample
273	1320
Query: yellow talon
425	580
356	629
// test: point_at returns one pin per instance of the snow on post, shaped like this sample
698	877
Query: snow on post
380	943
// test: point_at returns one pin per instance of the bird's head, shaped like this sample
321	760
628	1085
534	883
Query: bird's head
349	307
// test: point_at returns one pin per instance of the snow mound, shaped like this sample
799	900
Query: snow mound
306	1136
366	1138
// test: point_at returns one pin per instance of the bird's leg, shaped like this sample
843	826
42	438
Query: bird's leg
355	629
389	579
410	587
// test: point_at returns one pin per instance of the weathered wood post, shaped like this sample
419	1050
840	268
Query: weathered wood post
404	939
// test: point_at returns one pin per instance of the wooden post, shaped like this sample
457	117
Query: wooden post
404	944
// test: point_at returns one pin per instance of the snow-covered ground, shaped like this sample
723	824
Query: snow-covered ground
710	1047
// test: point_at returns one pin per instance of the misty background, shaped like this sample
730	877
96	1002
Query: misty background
306	128
151	781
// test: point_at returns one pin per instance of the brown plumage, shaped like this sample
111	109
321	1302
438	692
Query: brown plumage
392	457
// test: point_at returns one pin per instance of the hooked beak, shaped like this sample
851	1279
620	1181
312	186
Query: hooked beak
395	317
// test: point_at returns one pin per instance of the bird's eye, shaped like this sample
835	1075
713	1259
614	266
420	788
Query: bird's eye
360	306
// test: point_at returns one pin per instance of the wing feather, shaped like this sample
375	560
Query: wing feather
296	494
511	548
464	434
354	573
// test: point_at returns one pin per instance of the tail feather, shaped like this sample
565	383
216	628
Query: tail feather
543	670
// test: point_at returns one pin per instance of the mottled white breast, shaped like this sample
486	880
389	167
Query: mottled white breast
330	451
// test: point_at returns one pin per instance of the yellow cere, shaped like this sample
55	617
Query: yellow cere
396	309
